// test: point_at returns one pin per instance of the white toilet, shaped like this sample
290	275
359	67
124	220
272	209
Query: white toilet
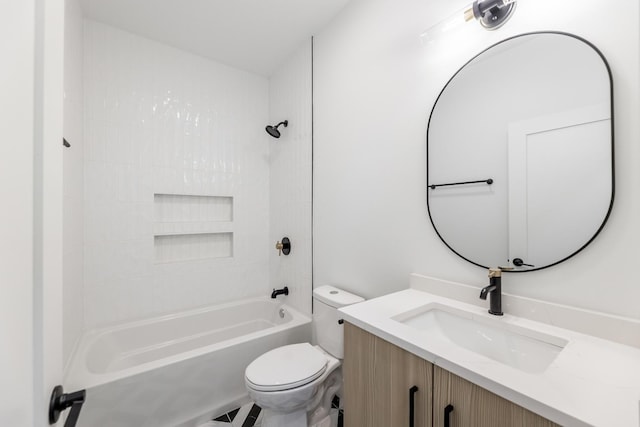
294	384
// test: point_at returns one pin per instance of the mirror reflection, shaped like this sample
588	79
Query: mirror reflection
520	152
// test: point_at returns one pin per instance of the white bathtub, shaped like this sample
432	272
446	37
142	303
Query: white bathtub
180	369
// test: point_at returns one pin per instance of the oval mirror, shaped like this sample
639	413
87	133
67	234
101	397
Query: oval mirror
520	152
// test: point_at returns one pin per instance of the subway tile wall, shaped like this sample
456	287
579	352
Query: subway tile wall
290	202
194	246
162	121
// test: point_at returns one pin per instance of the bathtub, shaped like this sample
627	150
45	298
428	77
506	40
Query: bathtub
180	369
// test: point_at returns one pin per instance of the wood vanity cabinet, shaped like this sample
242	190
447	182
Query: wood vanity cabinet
378	377
473	406
378	381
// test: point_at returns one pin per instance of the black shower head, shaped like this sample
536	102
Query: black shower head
273	130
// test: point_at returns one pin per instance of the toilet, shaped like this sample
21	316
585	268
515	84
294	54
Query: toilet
294	384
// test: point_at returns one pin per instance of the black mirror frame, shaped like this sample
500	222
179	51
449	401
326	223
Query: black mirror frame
606	218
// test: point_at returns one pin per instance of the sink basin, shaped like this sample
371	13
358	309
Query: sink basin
525	349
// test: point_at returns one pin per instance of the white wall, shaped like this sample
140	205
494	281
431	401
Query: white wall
73	180
290	179
162	121
375	84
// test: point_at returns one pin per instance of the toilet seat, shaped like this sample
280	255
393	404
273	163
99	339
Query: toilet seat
286	367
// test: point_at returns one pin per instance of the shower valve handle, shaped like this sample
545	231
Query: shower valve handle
284	247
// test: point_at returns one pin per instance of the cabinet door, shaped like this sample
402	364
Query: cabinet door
474	406
378	377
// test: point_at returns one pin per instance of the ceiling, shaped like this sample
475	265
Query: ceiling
254	35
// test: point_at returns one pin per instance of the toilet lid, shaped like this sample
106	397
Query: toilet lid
286	367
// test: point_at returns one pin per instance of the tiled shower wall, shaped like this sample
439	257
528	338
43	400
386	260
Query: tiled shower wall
290	212
162	126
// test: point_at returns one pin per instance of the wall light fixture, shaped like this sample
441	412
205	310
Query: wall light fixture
491	14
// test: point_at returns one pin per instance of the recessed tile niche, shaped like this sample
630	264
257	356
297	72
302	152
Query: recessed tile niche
189	227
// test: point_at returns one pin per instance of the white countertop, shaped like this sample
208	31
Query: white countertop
591	382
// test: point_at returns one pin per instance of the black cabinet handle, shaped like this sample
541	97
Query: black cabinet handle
412	404
447	412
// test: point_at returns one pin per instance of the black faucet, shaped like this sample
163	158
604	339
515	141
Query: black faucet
494	291
283	291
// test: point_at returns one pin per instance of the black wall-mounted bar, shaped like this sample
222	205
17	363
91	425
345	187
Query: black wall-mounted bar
488	181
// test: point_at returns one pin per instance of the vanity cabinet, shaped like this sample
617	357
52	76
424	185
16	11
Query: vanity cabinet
473	406
378	379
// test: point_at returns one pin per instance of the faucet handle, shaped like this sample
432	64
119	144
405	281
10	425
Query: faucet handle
497	271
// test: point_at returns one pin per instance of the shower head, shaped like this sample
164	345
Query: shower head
273	130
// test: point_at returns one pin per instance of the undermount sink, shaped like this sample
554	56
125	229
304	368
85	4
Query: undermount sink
525	349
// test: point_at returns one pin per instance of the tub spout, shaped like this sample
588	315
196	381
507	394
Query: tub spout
276	292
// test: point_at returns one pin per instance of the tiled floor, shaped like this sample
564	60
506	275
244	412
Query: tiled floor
250	415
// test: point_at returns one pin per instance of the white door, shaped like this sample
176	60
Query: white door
16	214
31	34
558	192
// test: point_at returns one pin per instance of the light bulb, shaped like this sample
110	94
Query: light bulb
490	13
449	24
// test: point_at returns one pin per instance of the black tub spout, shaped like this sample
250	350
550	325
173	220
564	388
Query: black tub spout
283	291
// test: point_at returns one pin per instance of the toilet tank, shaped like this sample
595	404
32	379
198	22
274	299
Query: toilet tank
326	302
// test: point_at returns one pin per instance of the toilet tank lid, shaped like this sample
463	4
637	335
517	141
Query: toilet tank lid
335	297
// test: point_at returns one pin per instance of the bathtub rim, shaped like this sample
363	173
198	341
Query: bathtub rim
78	374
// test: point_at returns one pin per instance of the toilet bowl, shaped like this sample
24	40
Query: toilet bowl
295	384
